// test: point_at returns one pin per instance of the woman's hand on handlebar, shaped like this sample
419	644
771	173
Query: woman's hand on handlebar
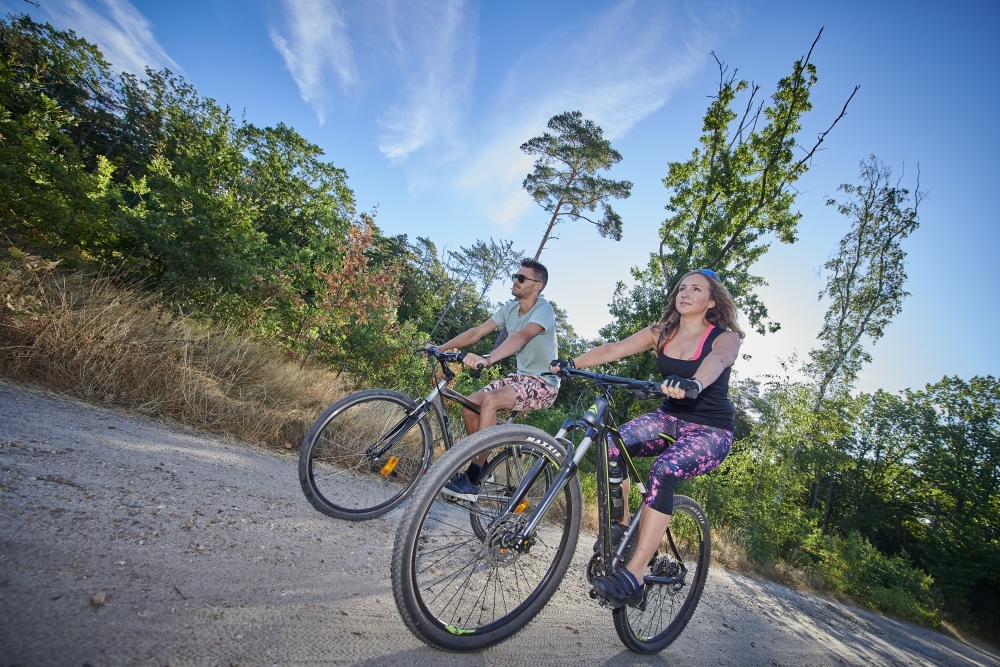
675	386
557	366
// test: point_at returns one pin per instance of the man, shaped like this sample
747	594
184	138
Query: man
531	335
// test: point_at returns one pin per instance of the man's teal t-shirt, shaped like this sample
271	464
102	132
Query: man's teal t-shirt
535	356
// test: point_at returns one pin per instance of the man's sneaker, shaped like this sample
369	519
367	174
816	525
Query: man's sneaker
620	588
461	488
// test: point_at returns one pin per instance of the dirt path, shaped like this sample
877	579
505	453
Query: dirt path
209	555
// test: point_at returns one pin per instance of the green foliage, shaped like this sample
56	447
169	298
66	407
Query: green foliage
51	198
565	181
888	584
865	278
427	289
735	195
957	465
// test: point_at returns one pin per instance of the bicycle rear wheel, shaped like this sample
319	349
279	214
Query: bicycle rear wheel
685	549
341	468
459	592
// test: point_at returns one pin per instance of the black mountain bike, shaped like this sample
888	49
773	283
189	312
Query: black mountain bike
462	589
362	457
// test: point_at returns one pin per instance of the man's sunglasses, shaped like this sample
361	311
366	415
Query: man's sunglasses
520	277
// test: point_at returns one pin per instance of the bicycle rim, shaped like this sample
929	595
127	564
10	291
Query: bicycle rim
667	608
460	592
344	475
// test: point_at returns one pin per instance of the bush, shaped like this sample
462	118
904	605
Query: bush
883	583
97	340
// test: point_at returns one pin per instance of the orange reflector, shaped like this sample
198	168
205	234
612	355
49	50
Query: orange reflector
389	466
523	505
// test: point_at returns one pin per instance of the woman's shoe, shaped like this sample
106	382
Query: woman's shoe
620	588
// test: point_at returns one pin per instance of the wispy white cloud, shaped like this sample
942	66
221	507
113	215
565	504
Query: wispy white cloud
432	47
317	49
123	34
619	69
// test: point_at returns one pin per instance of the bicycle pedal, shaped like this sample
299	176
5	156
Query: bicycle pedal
601	601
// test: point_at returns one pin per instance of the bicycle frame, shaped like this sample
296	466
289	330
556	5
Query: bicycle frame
433	400
596	424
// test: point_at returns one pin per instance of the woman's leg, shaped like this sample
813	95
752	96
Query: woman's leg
698	450
646	435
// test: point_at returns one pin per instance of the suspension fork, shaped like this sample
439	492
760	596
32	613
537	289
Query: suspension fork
592	421
376	450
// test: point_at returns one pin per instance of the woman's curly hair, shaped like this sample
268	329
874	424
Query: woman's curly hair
722	315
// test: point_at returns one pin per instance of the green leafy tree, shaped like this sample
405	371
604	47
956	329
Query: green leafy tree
866	277
865	286
878	483
53	201
427	287
483	264
565	182
735	195
957	424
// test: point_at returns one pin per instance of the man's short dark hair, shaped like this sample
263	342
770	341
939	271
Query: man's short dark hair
538	268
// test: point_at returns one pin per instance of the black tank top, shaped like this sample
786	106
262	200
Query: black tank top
712	407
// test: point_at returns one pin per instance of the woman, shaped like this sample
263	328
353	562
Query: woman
696	342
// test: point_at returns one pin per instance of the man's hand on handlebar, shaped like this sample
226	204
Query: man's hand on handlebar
675	386
475	362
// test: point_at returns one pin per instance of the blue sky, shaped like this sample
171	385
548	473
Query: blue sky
426	103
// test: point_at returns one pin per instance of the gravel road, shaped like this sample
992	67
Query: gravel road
206	553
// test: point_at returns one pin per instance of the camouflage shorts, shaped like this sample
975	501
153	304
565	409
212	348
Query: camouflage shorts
533	393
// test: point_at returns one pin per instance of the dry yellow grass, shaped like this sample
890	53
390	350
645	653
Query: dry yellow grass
103	342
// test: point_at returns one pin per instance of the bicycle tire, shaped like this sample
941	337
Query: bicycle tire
500	478
456	592
340	479
667	608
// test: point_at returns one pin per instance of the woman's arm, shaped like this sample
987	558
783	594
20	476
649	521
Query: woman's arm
725	349
638	342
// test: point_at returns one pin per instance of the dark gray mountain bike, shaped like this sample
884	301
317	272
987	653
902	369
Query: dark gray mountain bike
362	457
462	589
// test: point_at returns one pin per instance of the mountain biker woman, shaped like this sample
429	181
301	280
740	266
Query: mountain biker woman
697	341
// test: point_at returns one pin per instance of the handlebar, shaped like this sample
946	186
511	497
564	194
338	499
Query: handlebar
447	357
639	388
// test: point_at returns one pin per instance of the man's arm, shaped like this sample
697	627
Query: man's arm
512	345
470	336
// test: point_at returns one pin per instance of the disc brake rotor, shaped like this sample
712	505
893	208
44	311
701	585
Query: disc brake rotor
497	554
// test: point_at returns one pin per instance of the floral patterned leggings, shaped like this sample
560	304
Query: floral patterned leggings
683	450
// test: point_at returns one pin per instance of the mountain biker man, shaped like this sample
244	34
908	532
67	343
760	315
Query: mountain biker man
531	335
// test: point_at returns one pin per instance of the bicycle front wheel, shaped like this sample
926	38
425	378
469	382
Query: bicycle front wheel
364	454
683	555
460	592
500	478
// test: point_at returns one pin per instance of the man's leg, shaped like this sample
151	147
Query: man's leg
490	403
466	485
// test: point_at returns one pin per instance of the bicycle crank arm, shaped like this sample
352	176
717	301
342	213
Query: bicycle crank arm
650	579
